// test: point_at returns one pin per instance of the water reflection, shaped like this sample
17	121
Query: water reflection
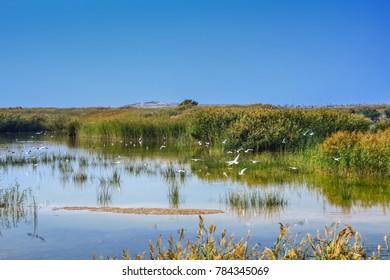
347	193
15	206
175	178
35	233
107	185
102	162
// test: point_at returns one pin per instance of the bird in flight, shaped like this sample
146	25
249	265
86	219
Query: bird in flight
235	161
242	171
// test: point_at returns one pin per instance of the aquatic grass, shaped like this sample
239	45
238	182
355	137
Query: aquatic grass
80	177
104	194
14	205
174	198
83	162
249	202
113	180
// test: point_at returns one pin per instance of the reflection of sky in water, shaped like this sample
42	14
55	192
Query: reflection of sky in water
147	183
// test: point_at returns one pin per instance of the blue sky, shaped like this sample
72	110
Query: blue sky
80	53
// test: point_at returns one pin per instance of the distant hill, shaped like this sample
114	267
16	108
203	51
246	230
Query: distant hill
153	104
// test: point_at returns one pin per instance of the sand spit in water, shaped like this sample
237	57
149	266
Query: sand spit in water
144	211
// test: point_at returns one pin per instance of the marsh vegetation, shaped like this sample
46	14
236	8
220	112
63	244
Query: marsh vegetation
259	165
334	243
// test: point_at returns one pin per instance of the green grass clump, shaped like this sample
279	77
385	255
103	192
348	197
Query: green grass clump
258	201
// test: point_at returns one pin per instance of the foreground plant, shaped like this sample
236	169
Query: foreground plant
335	244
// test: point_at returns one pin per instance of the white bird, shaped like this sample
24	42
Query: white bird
242	171
337	158
196	159
254	161
248	150
310	131
224	141
162	147
235	161
284	141
293	168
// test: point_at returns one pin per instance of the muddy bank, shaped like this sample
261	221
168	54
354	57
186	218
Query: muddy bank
144	211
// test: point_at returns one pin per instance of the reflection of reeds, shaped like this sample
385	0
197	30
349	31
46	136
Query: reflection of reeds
14	205
255	201
80	177
104	194
175	200
114	179
346	194
35	234
104	190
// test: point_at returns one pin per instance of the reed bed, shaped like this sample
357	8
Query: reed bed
261	127
334	244
361	152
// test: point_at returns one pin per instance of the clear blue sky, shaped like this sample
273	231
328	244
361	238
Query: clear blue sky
79	53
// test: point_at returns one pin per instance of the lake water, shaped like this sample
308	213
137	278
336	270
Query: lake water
54	171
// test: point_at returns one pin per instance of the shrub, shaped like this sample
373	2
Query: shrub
387	113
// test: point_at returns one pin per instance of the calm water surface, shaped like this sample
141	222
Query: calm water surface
55	172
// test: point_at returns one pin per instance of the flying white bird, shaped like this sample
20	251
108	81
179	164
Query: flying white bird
242	171
310	131
235	161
